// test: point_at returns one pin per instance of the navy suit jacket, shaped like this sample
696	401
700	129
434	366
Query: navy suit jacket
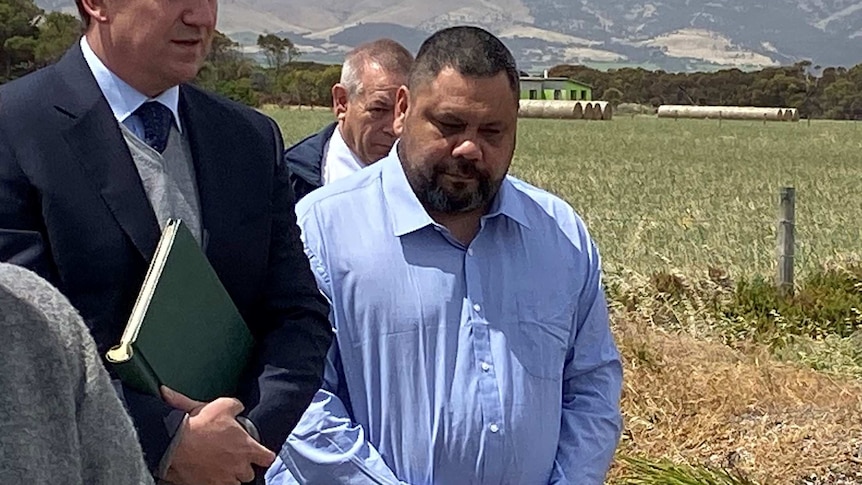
305	161
73	209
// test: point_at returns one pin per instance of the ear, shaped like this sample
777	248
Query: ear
97	10
339	101
402	103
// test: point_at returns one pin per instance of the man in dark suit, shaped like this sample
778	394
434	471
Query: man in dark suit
96	152
364	105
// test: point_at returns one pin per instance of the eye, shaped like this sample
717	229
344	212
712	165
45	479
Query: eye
449	126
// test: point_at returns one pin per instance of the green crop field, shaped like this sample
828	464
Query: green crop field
720	373
690	194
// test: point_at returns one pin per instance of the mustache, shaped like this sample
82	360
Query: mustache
460	167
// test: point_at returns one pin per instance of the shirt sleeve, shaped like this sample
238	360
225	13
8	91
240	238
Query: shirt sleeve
327	446
592	383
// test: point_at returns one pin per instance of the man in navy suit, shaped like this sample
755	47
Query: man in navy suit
364	105
97	152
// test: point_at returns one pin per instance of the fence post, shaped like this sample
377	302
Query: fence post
786	239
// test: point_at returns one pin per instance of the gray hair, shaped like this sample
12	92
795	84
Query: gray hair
391	56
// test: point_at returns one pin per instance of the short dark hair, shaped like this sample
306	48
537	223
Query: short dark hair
470	51
393	57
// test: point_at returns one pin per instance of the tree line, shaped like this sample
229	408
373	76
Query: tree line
831	92
30	38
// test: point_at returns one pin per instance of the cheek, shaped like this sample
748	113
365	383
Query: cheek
498	163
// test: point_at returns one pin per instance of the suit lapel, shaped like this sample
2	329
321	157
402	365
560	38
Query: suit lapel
97	143
209	147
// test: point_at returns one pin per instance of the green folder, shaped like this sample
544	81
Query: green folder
184	331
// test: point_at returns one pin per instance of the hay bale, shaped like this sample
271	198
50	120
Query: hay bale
726	112
599	108
608	112
562	109
578	111
530	108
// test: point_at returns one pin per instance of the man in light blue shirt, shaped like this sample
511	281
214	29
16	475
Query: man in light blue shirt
473	342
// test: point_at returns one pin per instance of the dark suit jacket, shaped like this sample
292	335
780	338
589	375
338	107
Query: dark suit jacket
305	161
73	209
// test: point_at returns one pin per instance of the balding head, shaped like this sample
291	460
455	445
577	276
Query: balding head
382	55
364	99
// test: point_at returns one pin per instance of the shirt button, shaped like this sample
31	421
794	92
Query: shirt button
477	307
486	366
494	428
470	251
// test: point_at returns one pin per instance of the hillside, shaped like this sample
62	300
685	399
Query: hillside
673	35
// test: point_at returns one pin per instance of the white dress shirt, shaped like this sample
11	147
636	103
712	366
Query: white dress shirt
339	161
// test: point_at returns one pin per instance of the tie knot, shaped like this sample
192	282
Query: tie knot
156	119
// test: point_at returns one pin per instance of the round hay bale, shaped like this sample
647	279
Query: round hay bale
530	108
608	112
557	110
578	111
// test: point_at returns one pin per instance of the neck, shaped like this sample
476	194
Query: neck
95	41
463	225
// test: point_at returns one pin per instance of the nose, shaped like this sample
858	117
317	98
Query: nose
468	148
201	13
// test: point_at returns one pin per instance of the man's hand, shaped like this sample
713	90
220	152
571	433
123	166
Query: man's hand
214	448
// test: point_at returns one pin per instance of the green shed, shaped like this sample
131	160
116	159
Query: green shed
548	88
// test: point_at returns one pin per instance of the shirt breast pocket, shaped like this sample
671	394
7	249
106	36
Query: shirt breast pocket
543	331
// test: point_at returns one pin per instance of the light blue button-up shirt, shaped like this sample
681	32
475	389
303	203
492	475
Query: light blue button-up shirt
491	363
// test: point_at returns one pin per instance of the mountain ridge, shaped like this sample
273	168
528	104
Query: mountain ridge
674	35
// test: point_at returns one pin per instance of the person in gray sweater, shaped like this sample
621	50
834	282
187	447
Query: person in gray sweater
60	418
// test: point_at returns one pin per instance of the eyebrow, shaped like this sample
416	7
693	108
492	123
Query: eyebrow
449	117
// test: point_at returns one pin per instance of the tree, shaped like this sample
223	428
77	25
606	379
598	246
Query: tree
57	32
18	33
613	96
227	72
279	51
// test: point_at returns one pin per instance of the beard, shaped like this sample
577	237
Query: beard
453	197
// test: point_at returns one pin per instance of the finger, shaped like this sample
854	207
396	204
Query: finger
246	474
178	400
260	455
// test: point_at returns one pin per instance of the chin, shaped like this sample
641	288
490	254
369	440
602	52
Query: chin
186	73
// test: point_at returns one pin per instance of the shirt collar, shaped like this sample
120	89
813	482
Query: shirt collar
339	150
122	98
508	203
338	159
407	213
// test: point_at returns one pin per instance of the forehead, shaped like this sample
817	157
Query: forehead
374	78
453	92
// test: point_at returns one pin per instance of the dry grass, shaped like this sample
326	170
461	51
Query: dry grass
701	402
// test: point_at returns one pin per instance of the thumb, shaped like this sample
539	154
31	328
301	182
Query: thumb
179	400
227	405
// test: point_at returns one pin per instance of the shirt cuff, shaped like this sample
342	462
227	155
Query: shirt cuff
178	431
250	428
167	458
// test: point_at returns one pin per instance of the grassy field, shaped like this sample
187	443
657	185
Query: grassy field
690	194
680	210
